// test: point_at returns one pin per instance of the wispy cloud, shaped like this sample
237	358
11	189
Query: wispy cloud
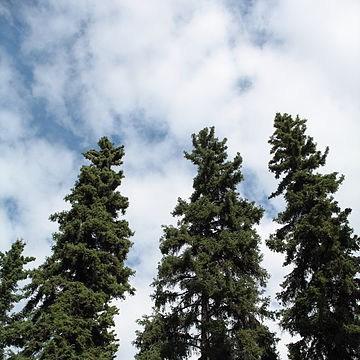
34	172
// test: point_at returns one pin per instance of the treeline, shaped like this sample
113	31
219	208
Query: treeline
209	290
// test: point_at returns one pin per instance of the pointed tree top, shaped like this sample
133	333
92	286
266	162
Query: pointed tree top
107	156
205	143
292	150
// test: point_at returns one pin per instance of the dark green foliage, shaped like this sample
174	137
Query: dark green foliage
160	338
208	289
12	271
321	293
70	309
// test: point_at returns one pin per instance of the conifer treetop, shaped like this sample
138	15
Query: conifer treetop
208	291
320	295
107	156
12	271
292	150
72	292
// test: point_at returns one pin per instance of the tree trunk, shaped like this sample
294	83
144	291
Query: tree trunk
204	333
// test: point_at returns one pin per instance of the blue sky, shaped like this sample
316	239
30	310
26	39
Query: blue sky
148	74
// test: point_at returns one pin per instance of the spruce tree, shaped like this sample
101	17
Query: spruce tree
12	272
71	308
208	291
321	293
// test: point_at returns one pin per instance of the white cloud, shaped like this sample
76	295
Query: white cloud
35	174
37	178
153	196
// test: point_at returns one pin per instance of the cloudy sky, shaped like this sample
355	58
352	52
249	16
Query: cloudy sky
150	73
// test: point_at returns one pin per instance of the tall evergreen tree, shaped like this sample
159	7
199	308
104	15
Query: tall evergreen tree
208	292
12	271
321	293
70	309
